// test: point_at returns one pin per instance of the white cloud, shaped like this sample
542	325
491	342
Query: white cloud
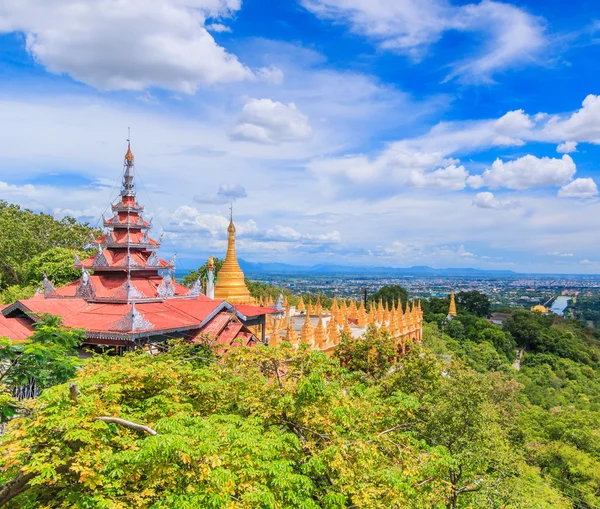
218	27
487	200
271	122
561	255
526	172
583	125
411	27
126	45
579	188
391	171
567	147
227	193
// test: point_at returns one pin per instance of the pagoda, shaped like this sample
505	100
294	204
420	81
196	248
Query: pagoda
127	295
231	284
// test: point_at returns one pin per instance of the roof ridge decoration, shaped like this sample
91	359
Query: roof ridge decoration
133	321
47	287
127	291
85	290
196	288
76	260
153	260
166	290
100	260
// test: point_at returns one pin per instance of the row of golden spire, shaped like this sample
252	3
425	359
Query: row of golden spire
394	319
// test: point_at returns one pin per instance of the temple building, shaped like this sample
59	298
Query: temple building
127	296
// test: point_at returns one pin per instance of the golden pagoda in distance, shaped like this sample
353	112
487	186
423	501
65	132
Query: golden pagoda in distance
230	285
452	309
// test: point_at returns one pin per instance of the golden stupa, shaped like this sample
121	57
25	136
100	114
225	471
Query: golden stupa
452	308
230	284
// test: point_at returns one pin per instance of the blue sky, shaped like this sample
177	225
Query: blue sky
362	132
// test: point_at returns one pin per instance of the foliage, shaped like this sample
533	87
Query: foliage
48	358
56	263
390	295
15	292
374	353
242	432
473	302
25	235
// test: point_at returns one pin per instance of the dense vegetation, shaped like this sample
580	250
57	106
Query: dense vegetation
587	309
273	427
31	244
477	416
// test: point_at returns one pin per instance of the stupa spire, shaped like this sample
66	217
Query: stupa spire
231	285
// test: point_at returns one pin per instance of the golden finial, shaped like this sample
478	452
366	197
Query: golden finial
210	265
129	154
333	332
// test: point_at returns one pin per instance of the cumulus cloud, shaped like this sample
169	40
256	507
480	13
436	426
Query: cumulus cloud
579	188
393	170
411	27
127	45
526	172
567	147
487	200
226	194
271	122
189	220
583	125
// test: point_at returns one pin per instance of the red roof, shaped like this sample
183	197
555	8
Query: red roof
16	329
100	317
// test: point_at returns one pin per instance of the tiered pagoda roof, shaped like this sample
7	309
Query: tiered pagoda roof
128	294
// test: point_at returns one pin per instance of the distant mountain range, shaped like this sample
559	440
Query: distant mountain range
332	269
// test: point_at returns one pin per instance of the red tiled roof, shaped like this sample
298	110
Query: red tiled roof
100	317
106	285
16	329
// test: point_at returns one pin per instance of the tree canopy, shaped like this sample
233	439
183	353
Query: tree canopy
25	235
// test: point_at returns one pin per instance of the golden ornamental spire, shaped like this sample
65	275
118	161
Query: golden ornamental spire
333	331
307	333
300	306
320	335
346	328
290	334
361	315
452	308
129	154
231	285
352	310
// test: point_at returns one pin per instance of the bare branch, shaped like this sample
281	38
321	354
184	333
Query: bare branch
126	424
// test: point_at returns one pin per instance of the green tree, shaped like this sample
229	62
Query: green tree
25	235
264	427
57	263
390	295
473	302
374	353
47	358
